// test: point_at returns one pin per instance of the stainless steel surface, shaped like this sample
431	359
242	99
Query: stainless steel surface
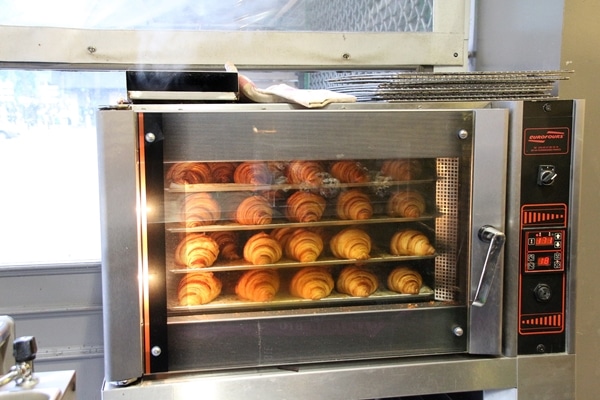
7	335
579	215
487	197
120	245
338	381
546	377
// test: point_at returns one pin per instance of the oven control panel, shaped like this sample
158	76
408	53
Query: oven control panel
546	164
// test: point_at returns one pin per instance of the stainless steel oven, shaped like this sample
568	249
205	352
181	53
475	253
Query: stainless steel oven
387	249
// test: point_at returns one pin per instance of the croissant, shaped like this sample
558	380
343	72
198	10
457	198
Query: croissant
402	170
351	243
196	250
230	201
222	172
282	235
262	249
305	207
253	173
307	172
258	285
409	204
357	281
354	204
228	244
405	280
349	172
304	245
410	242
200	209
254	210
198	288
189	173
312	283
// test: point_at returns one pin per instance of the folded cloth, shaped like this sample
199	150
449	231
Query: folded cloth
282	93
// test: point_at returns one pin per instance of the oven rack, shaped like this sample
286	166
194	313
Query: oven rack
286	187
175	227
227	302
284	263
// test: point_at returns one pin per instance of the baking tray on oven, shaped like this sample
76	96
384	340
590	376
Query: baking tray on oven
230	302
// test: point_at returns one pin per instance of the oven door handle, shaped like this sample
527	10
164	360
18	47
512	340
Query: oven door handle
496	239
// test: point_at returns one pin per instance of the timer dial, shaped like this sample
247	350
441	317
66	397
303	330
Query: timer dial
546	175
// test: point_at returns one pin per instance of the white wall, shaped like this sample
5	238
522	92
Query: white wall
517	35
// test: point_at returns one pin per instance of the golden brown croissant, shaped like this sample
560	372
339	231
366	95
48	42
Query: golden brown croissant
304	245
198	288
262	249
258	285
354	204
407	203
200	209
410	242
253	173
312	283
222	172
189	173
405	280
282	235
349	172
307	172
305	207
351	243
228	244
357	281
196	250
230	202
402	170
254	210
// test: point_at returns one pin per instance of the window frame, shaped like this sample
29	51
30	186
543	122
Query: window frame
446	48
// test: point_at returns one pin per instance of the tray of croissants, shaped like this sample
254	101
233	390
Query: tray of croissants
254	232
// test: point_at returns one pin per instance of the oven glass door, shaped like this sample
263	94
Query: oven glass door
278	236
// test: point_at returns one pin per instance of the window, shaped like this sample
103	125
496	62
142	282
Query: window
48	164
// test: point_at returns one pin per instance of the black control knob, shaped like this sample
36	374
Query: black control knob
542	292
546	175
24	349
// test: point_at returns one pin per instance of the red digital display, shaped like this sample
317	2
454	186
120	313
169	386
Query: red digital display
543	261
544	241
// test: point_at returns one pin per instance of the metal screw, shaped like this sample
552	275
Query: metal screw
91	49
463	134
458	331
150	137
547	107
346	56
156	351
455	55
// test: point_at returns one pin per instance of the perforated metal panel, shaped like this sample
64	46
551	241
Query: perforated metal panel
446	228
370	15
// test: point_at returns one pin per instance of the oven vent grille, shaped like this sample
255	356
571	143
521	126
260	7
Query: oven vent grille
446	228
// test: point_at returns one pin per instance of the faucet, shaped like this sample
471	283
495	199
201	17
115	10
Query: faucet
24	352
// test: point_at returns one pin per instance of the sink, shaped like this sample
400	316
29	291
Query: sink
53	385
31	394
